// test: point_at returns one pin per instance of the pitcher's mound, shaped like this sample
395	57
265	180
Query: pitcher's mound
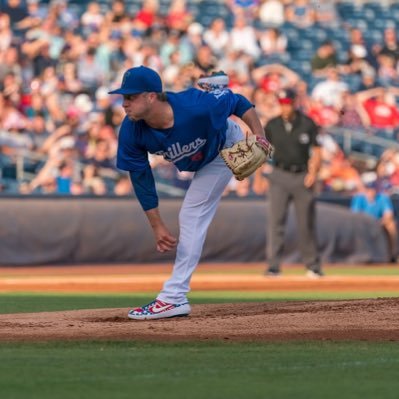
371	319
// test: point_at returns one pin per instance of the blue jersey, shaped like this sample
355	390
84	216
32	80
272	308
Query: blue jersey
377	208
197	136
198	133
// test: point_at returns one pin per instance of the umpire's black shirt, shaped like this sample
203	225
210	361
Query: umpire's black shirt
292	141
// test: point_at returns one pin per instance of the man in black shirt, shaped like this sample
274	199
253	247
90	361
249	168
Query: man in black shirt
297	159
15	9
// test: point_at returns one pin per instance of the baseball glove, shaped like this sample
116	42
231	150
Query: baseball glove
245	156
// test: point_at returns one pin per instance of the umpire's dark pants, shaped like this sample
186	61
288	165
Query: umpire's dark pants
286	187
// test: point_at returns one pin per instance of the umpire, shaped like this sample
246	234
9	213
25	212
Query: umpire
297	159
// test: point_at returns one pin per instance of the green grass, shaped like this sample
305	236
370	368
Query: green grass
208	370
33	302
211	370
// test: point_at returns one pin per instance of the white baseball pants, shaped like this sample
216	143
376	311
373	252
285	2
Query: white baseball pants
197	211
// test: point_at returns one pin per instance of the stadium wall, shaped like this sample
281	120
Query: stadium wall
39	231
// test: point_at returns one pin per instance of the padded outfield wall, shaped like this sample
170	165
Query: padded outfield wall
45	230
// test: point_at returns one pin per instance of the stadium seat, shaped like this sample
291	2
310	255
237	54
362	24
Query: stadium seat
373	36
357	23
303	68
381	24
345	9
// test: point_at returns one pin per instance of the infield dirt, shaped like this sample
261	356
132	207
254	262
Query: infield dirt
373	320
367	319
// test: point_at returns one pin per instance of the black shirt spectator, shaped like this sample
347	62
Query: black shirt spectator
16	10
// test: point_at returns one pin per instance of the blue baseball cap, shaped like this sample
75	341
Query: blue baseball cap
139	80
373	184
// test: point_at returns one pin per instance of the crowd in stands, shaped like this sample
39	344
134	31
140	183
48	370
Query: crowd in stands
59	59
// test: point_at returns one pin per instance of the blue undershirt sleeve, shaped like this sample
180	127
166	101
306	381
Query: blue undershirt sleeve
144	187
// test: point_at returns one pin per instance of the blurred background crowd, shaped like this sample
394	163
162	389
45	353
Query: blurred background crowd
59	59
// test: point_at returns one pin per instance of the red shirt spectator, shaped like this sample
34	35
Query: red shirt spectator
271	83
178	16
147	15
379	107
323	115
382	115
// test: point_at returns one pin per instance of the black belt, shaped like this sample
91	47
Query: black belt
292	168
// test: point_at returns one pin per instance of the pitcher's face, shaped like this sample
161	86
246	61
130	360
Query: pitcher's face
136	106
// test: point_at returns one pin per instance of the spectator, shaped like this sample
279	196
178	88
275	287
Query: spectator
330	90
11	118
303	100
266	104
174	44
274	77
69	81
324	115
16	10
178	16
64	16
194	39
42	79
123	186
38	132
10	65
148	15
102	156
368	80
117	13
393	174
204	59
324	58
235	64
358	44
56	174
339	175
380	109
374	202
273	42
387	73
92	182
92	19
36	14
387	168
217	37
356	62
65	178
390	46
90	73
326	14
271	13
6	34
300	13
243	38
244	8
351	114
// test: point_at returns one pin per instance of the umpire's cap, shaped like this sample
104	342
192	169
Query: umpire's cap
138	80
286	96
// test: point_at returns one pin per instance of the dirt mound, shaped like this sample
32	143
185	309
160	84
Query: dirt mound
376	319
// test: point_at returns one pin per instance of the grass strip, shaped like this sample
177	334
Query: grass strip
301	370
